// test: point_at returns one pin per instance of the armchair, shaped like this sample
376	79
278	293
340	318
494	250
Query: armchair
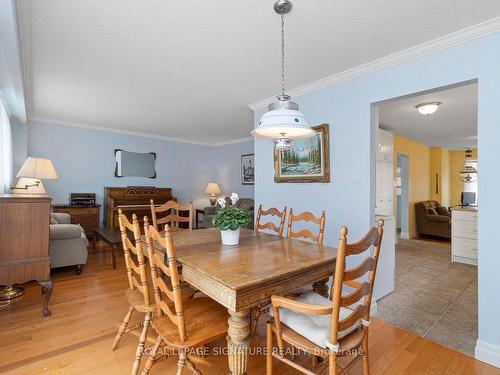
433	219
68	243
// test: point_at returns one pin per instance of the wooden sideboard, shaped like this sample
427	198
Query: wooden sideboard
464	235
132	199
86	216
24	242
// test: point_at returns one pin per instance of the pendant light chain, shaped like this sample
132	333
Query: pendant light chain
282	55
283	122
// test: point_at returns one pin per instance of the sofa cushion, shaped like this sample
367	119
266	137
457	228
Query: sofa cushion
65	231
315	328
442	211
431	211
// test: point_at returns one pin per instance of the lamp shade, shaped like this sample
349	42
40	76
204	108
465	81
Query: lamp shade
38	168
213	188
27	185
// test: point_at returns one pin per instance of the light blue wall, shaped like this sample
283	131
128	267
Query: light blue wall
347	107
84	161
19	145
227	168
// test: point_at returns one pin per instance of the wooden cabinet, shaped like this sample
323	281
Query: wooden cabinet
132	200
86	216
24	242
464	235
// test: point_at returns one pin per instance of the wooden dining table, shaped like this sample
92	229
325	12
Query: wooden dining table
245	275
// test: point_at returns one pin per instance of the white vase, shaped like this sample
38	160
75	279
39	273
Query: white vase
230	237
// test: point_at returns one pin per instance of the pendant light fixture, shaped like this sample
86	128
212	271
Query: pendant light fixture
468	173
283	122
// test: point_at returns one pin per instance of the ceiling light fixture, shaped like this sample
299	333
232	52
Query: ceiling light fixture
427	108
283	122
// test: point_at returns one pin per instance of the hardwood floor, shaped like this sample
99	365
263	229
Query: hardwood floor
87	310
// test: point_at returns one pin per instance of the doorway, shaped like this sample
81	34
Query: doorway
436	291
402	196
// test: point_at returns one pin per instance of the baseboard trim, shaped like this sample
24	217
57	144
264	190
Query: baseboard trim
404	235
373	307
488	353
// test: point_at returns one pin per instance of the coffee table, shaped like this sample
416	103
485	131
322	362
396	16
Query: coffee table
111	236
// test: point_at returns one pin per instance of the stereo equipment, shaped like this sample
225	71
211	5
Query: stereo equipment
82	199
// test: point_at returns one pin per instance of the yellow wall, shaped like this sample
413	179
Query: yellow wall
440	170
419	165
457	159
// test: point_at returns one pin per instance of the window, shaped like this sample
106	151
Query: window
5	150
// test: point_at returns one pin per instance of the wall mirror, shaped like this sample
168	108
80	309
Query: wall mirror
136	164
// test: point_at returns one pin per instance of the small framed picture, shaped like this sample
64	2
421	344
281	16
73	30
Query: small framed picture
307	160
247	169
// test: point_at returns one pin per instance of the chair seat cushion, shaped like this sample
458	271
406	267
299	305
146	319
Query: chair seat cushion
315	328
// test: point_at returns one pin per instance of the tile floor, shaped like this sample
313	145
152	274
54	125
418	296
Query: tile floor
433	298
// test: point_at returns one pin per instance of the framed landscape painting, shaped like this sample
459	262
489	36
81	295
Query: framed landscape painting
247	169
308	160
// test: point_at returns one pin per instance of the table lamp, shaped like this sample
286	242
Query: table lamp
213	189
31	174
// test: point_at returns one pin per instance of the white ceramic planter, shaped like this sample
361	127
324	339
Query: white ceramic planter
230	237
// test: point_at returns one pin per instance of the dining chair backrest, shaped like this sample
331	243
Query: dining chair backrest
166	297
306	233
270	225
172	217
134	255
359	300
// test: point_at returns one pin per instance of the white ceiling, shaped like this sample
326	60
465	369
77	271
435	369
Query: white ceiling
188	69
453	125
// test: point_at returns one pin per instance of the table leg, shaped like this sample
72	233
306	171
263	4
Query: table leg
321	287
113	250
94	239
47	292
238	341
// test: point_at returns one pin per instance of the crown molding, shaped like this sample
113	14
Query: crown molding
134	133
234	141
470	33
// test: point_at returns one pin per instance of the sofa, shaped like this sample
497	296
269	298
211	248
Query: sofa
247	203
433	219
68	245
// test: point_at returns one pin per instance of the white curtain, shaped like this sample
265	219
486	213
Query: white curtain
6	166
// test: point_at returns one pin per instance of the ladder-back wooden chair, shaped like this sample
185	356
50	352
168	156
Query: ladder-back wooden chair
330	328
180	324
172	217
270	225
137	294
306	233
320	286
260	310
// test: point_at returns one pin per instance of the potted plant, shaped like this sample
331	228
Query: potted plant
230	219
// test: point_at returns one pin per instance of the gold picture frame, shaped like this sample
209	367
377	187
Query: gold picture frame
308	160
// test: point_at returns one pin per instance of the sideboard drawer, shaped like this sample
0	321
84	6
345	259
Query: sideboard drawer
464	229
466	248
470	216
